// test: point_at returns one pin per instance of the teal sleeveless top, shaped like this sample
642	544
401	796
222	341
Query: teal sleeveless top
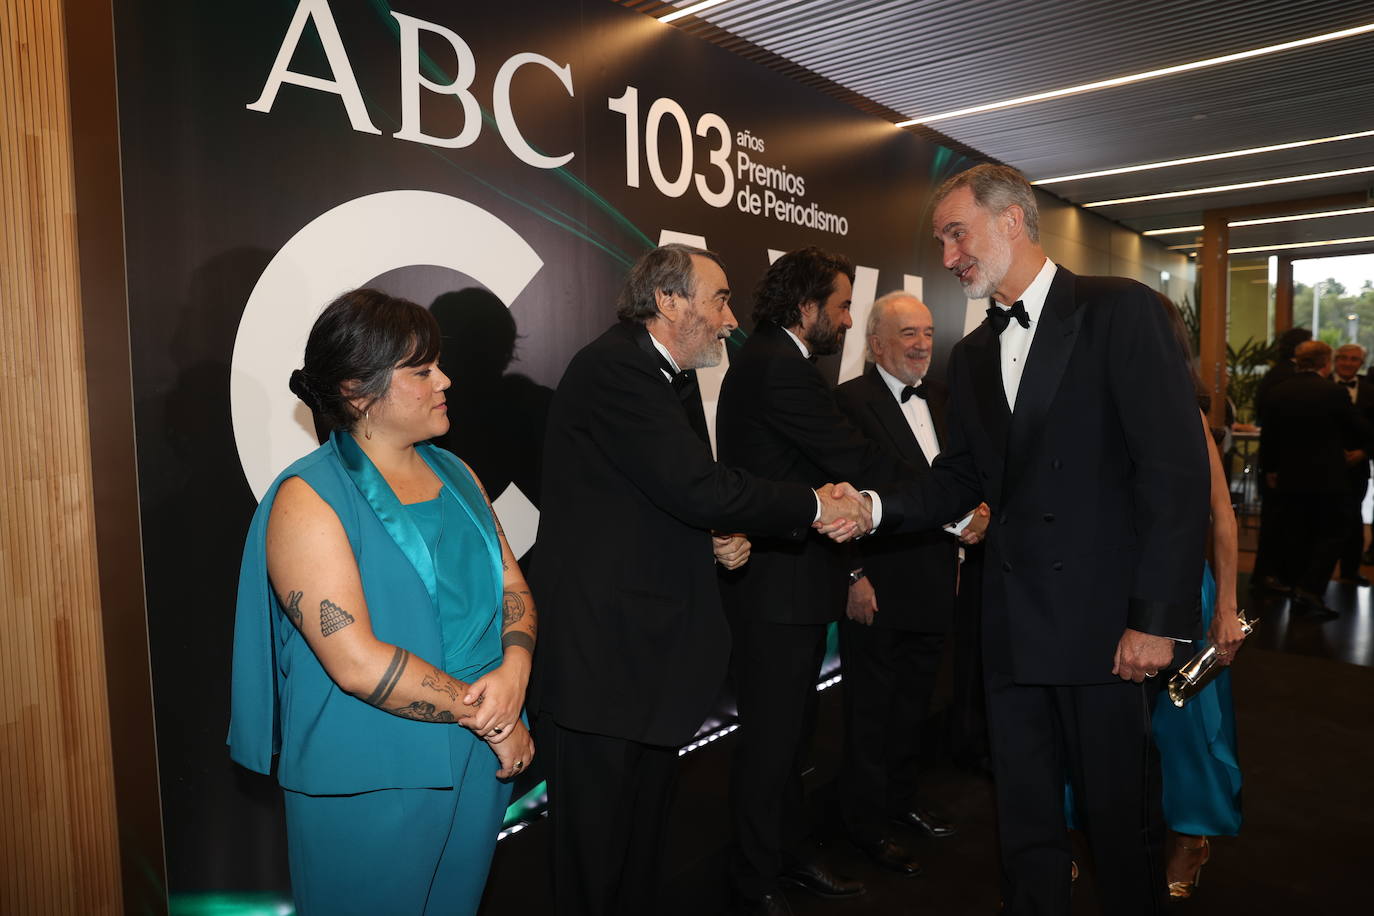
468	626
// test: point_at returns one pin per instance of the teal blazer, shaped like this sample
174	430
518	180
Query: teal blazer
283	701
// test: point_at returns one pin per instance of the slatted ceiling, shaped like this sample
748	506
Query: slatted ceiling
898	58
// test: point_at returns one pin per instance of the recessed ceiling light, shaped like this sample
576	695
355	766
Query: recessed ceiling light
1221	188
1177	230
1190	160
1140	77
690	10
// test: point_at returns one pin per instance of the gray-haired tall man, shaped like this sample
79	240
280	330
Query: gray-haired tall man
1072	415
634	644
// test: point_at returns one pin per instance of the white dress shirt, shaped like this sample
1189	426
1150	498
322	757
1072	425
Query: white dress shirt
1015	342
917	413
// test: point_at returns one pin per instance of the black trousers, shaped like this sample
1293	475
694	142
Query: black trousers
889	675
1099	737
775	667
1312	531
1352	544
608	807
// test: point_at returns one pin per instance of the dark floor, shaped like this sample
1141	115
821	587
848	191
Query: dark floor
1304	703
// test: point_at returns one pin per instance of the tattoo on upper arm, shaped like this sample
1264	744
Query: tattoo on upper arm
421	711
333	618
512	609
390	678
518	638
293	608
440	682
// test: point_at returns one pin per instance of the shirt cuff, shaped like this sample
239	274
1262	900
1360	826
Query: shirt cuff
877	508
818	507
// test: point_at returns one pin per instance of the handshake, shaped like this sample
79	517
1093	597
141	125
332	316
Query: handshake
845	512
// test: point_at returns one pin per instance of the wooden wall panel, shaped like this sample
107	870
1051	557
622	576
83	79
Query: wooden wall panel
58	834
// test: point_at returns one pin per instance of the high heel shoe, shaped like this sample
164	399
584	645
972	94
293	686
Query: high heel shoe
1184	889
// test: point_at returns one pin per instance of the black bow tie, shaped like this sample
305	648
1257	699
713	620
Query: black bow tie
1350	384
909	390
1000	317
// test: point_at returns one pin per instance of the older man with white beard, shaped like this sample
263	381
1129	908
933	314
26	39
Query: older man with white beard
901	597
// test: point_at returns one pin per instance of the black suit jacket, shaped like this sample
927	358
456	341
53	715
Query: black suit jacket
777	417
1364	406
1098	482
913	574
633	642
1309	423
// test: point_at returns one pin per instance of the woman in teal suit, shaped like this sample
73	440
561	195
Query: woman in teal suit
384	633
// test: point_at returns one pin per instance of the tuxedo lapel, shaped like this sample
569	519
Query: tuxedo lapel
1049	355
892	419
985	366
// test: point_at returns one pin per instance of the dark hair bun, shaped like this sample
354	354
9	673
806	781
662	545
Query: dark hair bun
301	388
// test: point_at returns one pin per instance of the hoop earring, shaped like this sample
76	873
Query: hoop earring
367	424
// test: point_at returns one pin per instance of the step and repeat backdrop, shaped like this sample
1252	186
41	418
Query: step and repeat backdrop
502	164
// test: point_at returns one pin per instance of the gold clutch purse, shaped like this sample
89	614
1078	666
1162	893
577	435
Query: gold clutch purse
1199	670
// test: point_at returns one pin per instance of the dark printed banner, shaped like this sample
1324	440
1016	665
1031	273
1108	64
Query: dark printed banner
502	163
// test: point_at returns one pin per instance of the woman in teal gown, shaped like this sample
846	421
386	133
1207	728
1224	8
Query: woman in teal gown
1197	743
383	634
1200	769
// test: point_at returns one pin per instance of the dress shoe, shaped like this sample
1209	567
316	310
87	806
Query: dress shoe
927	822
774	904
890	854
821	881
1305	602
1271	584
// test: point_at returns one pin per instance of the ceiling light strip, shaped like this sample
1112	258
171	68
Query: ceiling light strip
1290	245
690	10
1266	221
1140	77
1222	188
1191	160
1280	247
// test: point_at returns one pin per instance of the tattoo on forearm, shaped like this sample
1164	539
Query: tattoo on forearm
333	618
293	608
440	682
518	638
390	678
421	711
512	609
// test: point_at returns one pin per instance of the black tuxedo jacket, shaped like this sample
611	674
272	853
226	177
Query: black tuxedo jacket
778	418
1364	406
1098	482
1309	423
633	642
913	574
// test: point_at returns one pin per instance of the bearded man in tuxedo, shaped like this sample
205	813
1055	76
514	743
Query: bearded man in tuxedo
1072	415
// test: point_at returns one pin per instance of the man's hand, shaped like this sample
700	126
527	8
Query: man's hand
845	512
731	550
862	603
977	525
497	697
514	752
1140	655
1355	457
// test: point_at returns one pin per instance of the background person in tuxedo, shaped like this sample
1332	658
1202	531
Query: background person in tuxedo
1346	366
1310	428
634	645
1269	552
777	418
1072	416
901	600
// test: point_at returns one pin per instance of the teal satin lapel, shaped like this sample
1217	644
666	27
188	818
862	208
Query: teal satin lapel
390	512
464	488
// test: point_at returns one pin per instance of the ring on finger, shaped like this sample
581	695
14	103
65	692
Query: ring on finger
519	764
1151	673
497	730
